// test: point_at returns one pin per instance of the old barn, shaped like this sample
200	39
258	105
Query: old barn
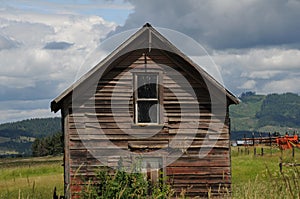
149	100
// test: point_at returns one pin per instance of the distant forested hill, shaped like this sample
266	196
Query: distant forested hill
38	127
266	113
17	137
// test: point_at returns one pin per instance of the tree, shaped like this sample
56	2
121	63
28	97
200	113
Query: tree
247	94
50	145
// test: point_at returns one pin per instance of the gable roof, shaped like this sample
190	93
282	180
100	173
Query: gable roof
146	36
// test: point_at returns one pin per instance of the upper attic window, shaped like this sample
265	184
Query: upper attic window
146	97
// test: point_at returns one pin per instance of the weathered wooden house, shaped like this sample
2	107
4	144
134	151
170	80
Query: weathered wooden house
148	98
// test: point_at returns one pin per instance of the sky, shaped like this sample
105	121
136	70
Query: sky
255	44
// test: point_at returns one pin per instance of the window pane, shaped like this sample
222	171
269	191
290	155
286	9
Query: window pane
147	86
147	111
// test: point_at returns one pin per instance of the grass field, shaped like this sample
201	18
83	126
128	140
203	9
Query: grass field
30	177
252	176
259	176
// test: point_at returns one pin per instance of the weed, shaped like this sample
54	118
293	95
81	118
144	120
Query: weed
260	177
119	184
30	178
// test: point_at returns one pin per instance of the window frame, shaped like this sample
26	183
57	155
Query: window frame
158	98
154	174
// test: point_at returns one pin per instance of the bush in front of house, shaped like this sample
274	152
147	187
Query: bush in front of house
120	184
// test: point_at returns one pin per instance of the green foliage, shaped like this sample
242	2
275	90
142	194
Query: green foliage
247	95
16	138
38	127
286	113
50	145
13	133
243	115
274	112
22	148
120	184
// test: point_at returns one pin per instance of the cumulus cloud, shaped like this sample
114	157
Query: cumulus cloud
248	85
7	43
24	104
16	82
41	54
283	86
255	69
15	115
267	74
276	58
32	61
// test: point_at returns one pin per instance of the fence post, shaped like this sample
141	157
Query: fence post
260	139
262	151
254	151
280	167
293	151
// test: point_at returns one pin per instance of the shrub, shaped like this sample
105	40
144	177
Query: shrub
119	184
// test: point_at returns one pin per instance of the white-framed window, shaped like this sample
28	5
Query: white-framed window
147	97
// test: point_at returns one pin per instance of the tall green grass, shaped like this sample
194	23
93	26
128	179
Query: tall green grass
30	178
252	176
259	176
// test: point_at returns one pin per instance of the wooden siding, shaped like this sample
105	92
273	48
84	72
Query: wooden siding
195	175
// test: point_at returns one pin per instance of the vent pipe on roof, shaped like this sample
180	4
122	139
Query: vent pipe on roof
150	40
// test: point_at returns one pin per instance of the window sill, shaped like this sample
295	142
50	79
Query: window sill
147	126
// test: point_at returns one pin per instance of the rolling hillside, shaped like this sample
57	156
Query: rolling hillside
266	113
16	138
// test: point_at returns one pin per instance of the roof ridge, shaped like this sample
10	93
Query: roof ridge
147	25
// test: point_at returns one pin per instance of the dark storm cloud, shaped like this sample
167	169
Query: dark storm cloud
223	24
58	45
